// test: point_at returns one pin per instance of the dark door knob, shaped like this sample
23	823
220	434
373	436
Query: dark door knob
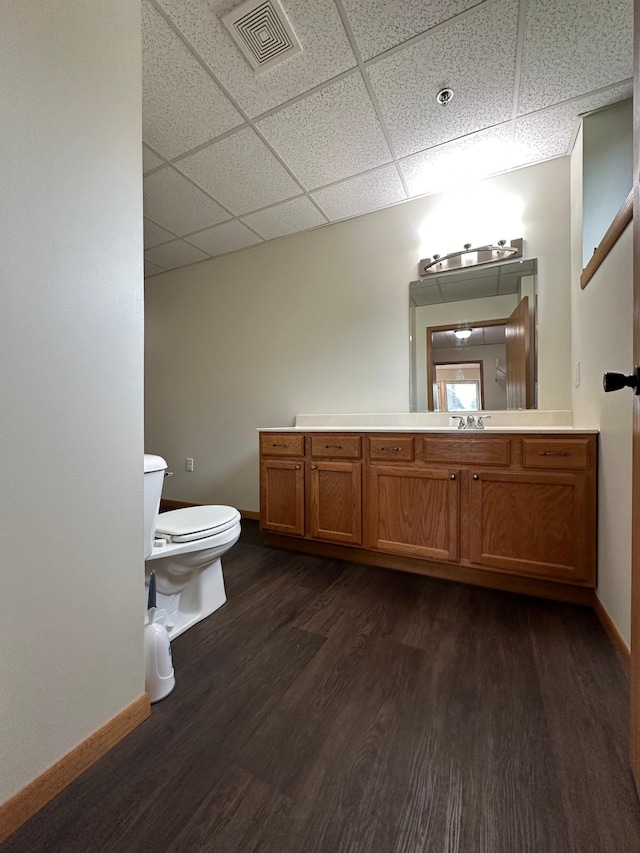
616	381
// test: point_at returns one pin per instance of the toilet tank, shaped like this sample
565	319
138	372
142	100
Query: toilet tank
154	468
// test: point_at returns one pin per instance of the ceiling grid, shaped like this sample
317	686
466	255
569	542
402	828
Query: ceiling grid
350	124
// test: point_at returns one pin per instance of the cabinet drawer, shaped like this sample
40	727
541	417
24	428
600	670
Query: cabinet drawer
555	453
336	446
472	450
384	447
281	444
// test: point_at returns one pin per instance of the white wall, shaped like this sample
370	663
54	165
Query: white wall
319	322
71	381
602	317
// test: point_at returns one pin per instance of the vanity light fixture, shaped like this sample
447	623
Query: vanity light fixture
472	256
463	334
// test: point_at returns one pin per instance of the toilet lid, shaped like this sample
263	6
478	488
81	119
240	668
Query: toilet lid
195	522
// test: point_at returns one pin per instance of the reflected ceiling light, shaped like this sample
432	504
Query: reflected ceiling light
463	334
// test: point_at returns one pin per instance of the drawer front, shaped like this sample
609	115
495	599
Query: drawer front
281	444
555	453
383	447
470	450
336	446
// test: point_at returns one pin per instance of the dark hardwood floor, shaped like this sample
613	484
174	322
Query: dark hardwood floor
334	708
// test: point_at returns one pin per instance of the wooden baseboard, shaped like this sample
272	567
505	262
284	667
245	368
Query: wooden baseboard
570	593
167	504
614	635
38	793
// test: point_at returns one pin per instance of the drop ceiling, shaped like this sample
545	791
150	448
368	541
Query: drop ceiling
350	124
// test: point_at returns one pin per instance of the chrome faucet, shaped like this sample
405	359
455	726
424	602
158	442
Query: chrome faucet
481	420
462	424
471	424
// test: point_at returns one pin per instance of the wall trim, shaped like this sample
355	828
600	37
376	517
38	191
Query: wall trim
167	504
614	635
251	514
24	804
620	221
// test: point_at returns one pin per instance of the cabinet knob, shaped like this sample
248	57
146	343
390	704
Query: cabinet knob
476	477
298	467
314	467
452	476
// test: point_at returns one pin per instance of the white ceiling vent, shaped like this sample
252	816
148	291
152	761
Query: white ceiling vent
262	32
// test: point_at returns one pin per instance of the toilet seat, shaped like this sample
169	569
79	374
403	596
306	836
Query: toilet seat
195	522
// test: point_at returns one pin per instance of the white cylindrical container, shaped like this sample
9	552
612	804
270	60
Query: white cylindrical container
159	676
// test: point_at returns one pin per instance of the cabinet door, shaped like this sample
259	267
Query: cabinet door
415	511
282	496
539	524
335	501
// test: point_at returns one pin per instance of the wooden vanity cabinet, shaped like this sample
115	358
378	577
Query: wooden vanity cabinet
334	501
317	492
512	511
282	483
414	511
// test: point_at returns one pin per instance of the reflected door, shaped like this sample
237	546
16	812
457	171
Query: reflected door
518	347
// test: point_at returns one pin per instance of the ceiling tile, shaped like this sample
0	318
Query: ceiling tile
325	50
361	194
225	238
177	205
382	24
549	133
572	48
172	255
149	160
154	235
472	157
330	135
475	57
151	269
299	214
182	106
240	172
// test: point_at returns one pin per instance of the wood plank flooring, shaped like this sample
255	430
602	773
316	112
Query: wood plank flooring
335	708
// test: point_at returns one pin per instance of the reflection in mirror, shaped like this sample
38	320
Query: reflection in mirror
473	339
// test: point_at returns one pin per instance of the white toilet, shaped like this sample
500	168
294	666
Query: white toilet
183	548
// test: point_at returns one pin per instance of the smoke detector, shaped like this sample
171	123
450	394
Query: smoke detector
263	33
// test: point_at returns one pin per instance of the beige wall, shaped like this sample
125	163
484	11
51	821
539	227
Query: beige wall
602	340
71	350
318	322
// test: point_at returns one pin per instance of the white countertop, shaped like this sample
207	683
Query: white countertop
440	429
530	421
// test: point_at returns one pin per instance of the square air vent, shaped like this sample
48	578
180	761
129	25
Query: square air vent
263	33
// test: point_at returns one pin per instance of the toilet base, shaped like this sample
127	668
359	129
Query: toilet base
204	594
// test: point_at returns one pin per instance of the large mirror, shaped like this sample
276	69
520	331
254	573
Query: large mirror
474	338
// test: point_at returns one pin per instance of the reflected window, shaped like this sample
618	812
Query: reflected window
458	387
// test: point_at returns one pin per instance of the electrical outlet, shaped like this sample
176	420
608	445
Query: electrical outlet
189	463
576	374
